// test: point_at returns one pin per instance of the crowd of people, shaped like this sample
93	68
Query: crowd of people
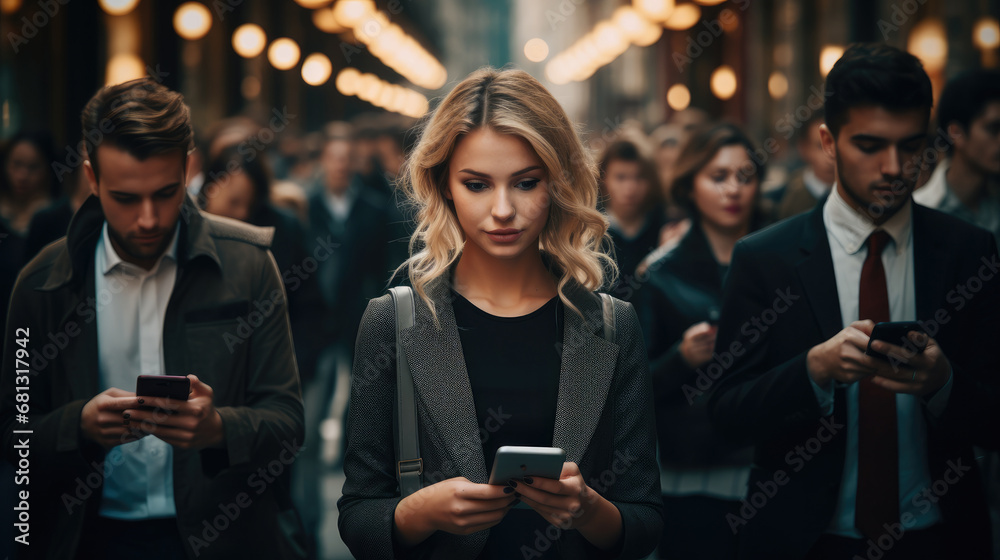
691	324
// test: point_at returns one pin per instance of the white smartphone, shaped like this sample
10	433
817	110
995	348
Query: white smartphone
516	462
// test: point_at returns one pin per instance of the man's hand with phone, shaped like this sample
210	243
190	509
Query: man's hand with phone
191	424
842	358
915	373
101	419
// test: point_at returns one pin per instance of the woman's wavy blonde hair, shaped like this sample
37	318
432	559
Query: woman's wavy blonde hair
507	101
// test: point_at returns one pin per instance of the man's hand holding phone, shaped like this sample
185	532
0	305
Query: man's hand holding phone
188	424
844	358
101	418
916	373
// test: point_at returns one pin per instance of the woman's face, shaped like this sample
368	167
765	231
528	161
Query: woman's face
231	196
725	188
499	187
626	187
26	171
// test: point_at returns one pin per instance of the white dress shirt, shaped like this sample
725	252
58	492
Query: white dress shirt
848	232
131	304
817	188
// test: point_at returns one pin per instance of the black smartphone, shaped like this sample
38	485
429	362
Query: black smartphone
170	386
895	333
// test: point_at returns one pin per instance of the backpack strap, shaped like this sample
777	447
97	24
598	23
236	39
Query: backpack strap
410	465
610	328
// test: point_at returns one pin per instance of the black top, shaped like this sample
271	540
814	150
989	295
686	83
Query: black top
513	365
629	252
682	288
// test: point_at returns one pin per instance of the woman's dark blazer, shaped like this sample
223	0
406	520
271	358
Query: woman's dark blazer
604	421
683	287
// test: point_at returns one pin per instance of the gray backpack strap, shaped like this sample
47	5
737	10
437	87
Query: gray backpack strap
610	328
410	465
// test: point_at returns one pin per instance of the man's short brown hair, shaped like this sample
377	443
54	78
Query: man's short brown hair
141	117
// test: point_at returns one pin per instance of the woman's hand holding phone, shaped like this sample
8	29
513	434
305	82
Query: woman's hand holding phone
455	505
569	503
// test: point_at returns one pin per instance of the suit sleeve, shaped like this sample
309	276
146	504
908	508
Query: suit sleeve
758	396
637	493
272	415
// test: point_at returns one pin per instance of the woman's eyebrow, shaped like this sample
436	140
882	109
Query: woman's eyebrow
525	170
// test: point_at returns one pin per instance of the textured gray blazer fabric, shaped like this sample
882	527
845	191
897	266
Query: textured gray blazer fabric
604	421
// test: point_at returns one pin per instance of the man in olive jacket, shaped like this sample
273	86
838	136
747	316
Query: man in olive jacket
144	283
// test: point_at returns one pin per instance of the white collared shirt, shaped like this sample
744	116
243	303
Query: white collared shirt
817	188
131	305
848	232
339	205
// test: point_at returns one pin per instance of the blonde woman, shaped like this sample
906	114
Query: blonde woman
507	349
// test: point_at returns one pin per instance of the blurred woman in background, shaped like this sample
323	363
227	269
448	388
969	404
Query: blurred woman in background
702	477
630	192
27	186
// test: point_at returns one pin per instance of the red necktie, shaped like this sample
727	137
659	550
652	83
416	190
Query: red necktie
877	500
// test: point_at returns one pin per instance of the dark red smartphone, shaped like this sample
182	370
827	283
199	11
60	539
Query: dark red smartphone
894	333
171	386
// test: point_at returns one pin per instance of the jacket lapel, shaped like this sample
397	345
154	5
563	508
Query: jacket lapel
442	385
587	367
815	270
442	382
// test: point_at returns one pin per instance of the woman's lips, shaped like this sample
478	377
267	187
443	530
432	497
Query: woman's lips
504	235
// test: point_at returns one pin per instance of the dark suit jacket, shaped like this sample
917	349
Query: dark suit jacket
604	419
358	268
227	323
781	300
306	308
684	287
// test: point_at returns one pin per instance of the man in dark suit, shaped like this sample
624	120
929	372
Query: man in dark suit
856	456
